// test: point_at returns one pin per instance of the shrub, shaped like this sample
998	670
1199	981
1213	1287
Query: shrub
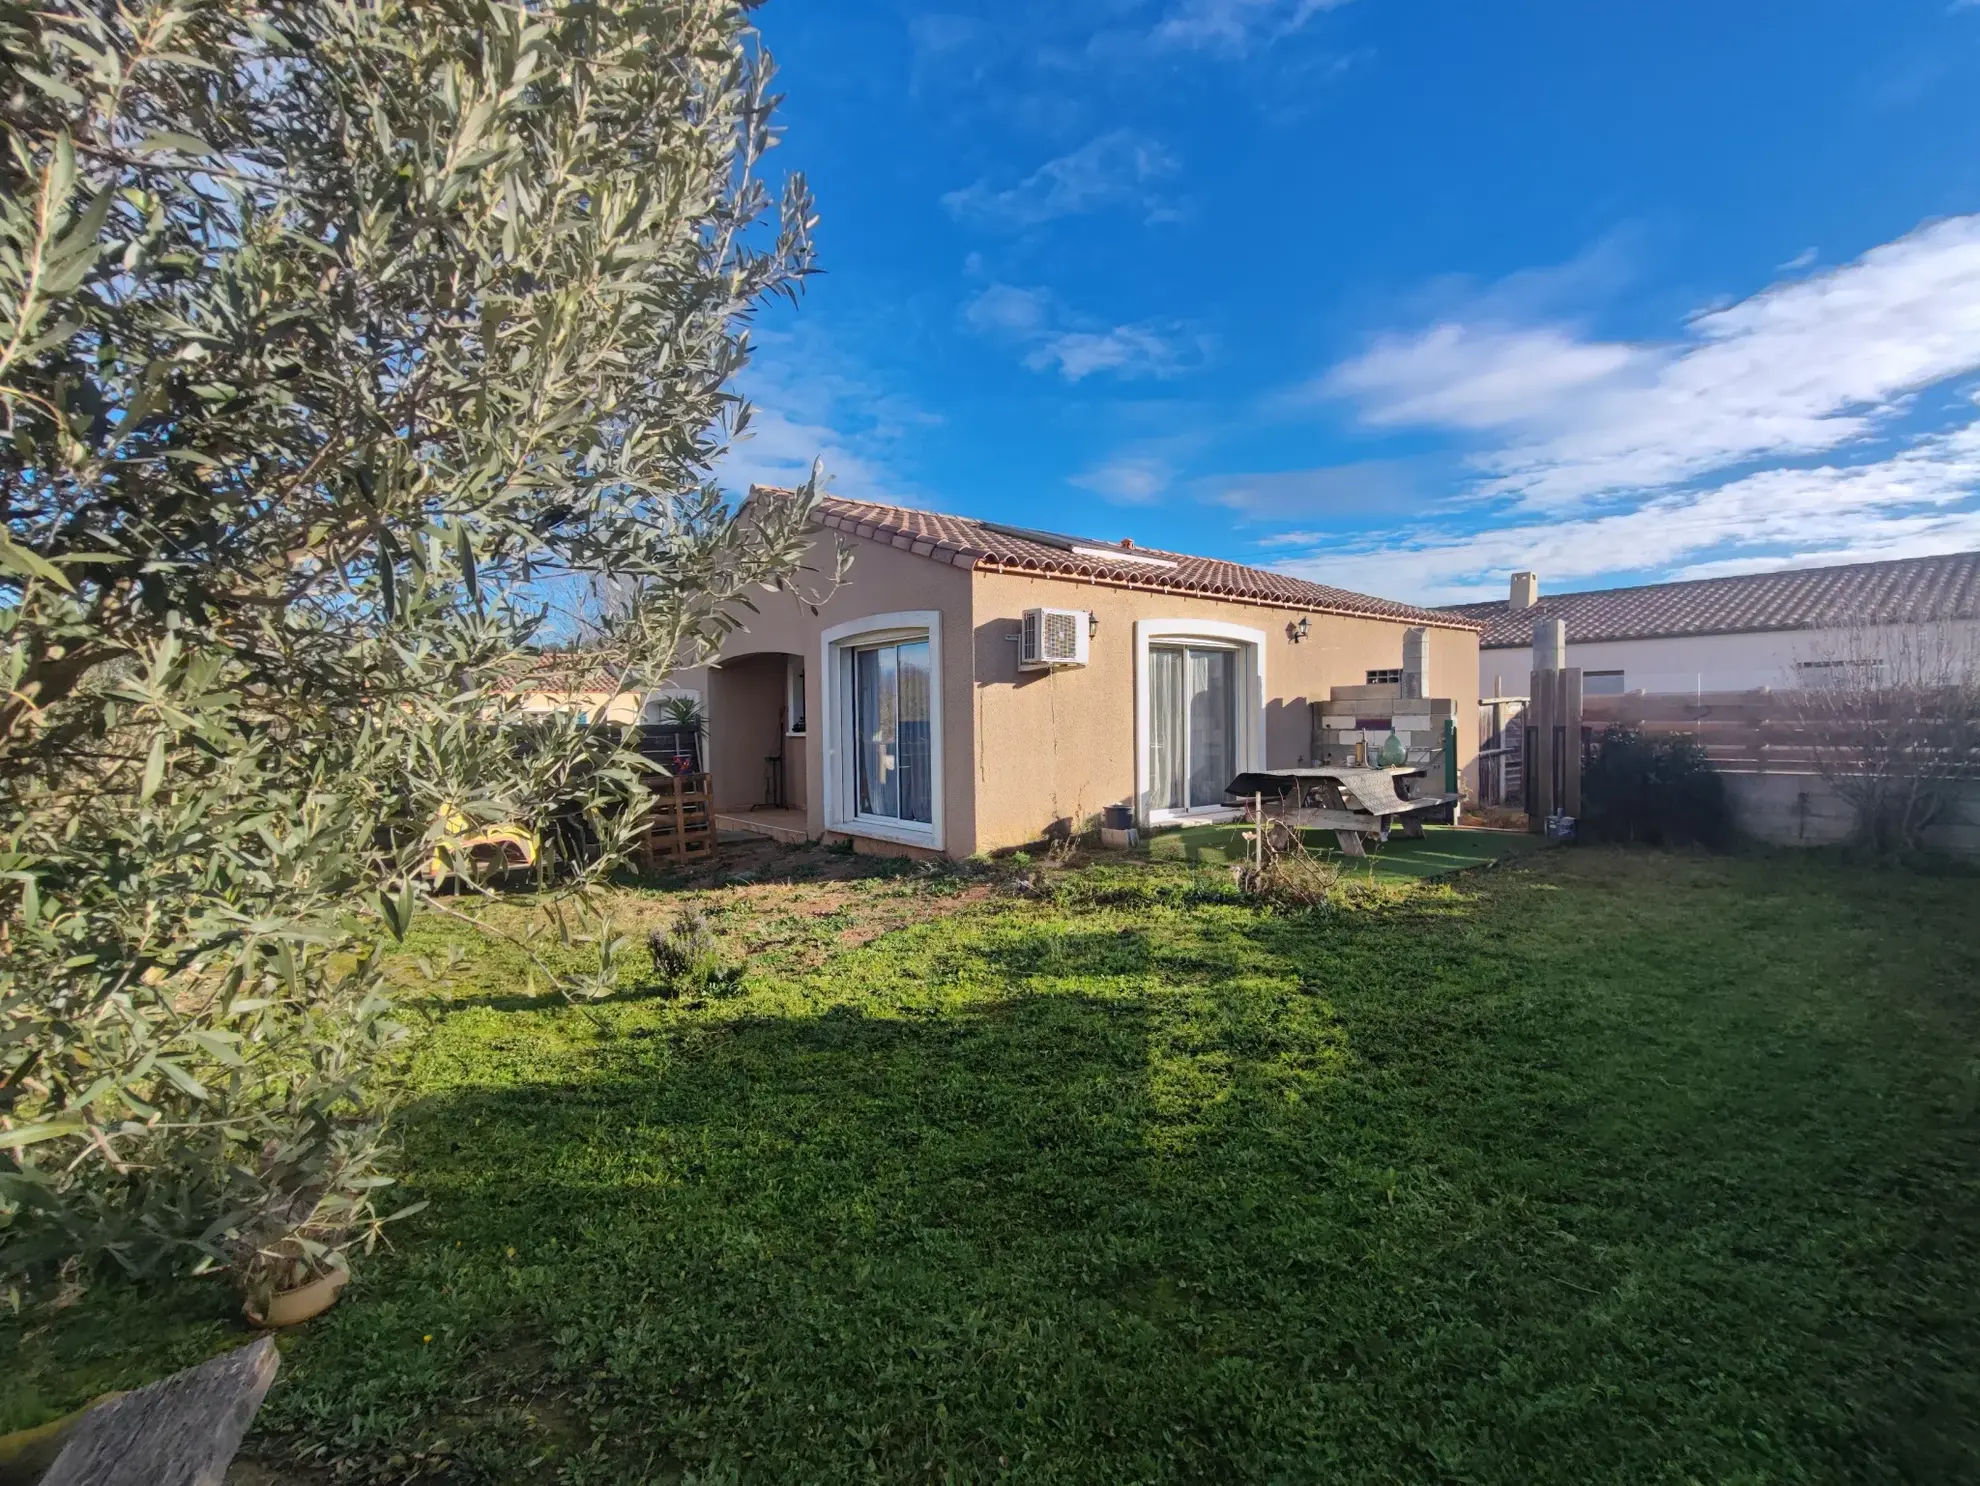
1293	881
686	960
1653	791
1281	872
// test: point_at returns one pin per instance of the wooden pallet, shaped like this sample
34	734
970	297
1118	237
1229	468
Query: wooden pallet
680	824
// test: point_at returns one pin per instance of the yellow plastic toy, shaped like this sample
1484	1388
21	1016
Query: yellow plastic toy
482	854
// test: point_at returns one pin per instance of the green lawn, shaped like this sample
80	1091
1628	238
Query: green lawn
1600	1167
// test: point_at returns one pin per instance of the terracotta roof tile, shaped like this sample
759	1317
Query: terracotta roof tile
564	672
1910	590
968	543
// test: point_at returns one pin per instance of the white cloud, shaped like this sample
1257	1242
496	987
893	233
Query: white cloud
1054	338
1131	480
1804	368
1146	350
1335	491
1234	25
812	402
1115	169
1474	377
777	449
1005	309
1918	499
937	33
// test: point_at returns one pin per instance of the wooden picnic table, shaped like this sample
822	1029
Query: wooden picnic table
1352	801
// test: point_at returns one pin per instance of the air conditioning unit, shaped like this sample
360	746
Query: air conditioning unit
1053	638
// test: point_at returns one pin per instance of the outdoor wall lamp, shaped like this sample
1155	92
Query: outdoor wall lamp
1298	631
1092	624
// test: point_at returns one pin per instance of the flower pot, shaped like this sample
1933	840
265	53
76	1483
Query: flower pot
292	1307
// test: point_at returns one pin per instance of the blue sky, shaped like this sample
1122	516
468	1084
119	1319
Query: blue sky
1397	294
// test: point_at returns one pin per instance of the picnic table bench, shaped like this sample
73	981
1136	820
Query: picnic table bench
1350	800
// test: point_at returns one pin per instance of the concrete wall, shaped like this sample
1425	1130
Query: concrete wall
1057	746
1703	662
1801	810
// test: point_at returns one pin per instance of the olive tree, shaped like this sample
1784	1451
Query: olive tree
336	340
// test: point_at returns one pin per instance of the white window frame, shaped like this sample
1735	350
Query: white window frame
834	724
794	702
1250	707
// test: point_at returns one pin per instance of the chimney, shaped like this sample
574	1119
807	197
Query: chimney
1525	590
1416	664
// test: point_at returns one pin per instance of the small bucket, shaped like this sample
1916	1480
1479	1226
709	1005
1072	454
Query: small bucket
1117	817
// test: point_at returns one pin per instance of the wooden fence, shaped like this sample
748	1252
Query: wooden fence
1772	732
1780	752
1742	732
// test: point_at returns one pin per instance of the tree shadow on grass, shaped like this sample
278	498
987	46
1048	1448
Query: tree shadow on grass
795	1242
1377	1194
1324	1216
1227	1196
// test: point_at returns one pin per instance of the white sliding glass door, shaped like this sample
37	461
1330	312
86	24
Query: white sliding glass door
893	740
1192	725
879	727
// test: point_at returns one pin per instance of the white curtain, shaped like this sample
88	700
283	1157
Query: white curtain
1212	725
1192	725
1167	718
914	744
895	749
874	693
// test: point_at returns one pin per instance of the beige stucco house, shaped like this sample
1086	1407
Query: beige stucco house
901	712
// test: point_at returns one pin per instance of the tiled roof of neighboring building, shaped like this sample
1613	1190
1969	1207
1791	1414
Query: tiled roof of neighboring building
1909	590
565	672
968	543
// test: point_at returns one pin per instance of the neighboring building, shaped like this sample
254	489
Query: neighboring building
1777	629
898	712
572	681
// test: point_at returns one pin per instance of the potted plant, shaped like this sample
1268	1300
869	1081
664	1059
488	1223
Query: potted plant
679	732
293	1259
292	1280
